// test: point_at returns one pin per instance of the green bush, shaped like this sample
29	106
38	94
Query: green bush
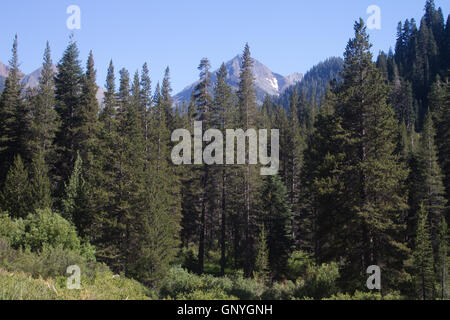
246	288
358	295
48	228
180	284
298	263
211	294
48	262
318	282
280	291
12	231
42	275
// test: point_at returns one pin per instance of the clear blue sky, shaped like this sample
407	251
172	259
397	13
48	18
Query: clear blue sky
286	35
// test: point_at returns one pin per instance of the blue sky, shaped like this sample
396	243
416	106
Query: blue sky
286	35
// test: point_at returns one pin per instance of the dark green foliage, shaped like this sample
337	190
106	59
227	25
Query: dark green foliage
44	122
432	193
16	194
14	119
315	81
423	258
278	218
68	84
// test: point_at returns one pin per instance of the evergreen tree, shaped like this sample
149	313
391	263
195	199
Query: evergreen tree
166	100
87	115
443	259
16	197
68	84
440	105
323	217
203	101
40	184
73	192
279	220
262	270
374	176
45	122
145	105
248	119
107	115
222	117
14	118
432	192
423	258
294	161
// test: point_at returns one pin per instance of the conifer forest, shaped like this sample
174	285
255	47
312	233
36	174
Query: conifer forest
362	178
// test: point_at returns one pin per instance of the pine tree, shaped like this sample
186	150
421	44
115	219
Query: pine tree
278	214
423	258
87	125
432	192
374	176
294	161
68	84
323	217
73	192
203	101
440	105
145	105
262	270
16	196
107	115
45	122
166	100
14	118
40	184
248	119
443	259
221	117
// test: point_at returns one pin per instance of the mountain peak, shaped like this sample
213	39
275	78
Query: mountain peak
267	82
32	80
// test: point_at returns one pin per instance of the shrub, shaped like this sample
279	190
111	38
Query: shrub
358	295
298	263
211	294
48	228
11	230
179	282
246	288
280	291
319	281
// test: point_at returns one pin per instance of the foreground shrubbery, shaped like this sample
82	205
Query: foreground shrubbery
318	283
35	253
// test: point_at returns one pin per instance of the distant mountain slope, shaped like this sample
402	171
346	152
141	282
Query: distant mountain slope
32	80
315	80
266	81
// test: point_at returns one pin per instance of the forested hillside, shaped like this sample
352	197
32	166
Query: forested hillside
364	180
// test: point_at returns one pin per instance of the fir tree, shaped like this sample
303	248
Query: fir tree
166	99
248	119
40	183
16	195
45	120
294	161
14	118
443	259
279	220
262	270
87	115
68	84
432	192
374	177
423	258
